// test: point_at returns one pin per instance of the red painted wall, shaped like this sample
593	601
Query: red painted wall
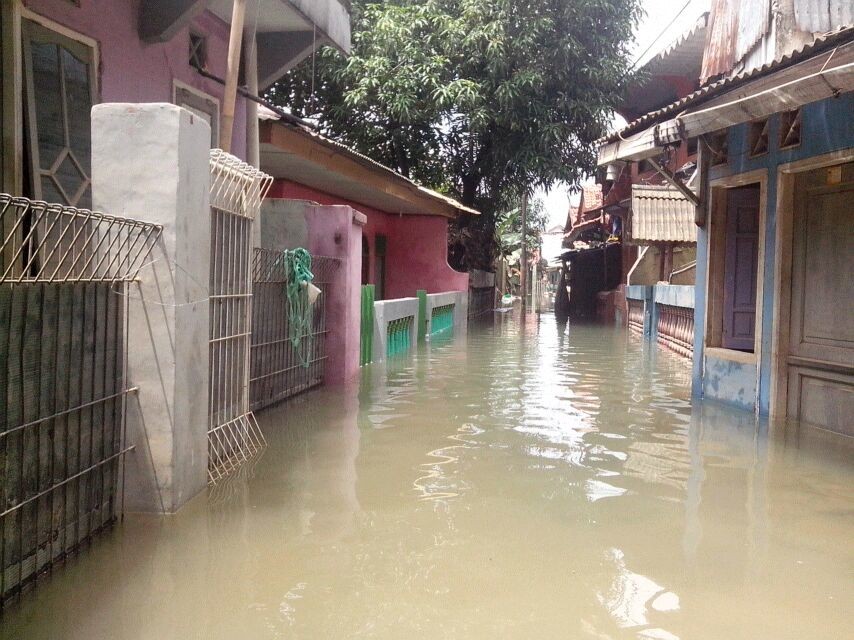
134	71
416	245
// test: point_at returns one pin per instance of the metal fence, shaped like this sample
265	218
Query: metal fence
63	383
285	362
237	190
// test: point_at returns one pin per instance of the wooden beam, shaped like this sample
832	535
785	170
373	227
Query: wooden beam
676	182
704	163
160	20
229	98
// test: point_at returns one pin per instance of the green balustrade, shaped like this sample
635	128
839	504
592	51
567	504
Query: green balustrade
442	319
399	334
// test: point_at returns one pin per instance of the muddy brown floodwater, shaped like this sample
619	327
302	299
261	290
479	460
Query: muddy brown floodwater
523	482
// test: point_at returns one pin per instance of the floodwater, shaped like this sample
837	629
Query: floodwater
525	482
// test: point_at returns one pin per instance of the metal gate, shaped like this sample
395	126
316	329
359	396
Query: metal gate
64	274
284	365
237	190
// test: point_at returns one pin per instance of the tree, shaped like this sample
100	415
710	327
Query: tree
478	99
508	234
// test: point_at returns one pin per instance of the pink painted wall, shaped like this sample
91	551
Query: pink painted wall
416	245
133	71
336	231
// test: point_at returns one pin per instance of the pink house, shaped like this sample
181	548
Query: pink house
60	57
404	237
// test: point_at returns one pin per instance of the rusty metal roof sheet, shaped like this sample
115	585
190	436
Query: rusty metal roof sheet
713	89
591	197
661	214
735	28
821	16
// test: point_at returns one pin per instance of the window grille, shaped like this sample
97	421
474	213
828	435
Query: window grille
198	51
790	129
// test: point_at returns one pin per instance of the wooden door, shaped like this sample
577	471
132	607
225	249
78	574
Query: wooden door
740	268
821	341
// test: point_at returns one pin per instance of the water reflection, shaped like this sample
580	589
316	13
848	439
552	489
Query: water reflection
521	483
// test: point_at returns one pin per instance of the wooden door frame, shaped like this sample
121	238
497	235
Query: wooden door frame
715	228
781	324
12	116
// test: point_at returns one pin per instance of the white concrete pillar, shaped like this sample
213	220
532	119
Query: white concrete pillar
150	161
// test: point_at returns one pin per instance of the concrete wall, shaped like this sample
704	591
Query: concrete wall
826	126
133	71
461	307
336	232
386	311
166	180
416	247
662	294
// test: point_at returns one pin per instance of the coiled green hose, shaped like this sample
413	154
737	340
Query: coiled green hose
297	263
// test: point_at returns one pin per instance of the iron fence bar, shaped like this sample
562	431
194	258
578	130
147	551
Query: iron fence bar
86	405
259	345
285	370
98	242
24	243
79	474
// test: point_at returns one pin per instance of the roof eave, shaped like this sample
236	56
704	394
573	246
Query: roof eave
824	75
338	158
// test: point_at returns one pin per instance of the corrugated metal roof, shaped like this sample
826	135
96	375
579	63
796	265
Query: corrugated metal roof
821	16
661	214
683	55
709	91
266	114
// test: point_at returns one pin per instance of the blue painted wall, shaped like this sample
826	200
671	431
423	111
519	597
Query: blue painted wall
826	126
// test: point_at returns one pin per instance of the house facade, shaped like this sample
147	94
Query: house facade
61	57
404	237
774	321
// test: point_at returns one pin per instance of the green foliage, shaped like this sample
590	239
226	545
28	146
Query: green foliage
478	99
508	229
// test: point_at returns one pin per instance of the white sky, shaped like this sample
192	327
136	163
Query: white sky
658	14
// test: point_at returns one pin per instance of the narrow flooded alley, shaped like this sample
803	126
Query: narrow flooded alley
524	481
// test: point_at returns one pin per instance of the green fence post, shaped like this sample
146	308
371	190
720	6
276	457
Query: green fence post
421	321
371	322
362	329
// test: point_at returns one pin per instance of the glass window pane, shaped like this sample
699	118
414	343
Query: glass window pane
78	101
50	193
48	102
70	178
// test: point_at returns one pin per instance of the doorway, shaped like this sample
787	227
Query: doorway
820	354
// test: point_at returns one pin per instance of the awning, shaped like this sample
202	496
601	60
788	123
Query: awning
578	229
661	214
822	70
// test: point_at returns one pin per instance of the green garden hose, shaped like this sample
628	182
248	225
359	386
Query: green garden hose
297	263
